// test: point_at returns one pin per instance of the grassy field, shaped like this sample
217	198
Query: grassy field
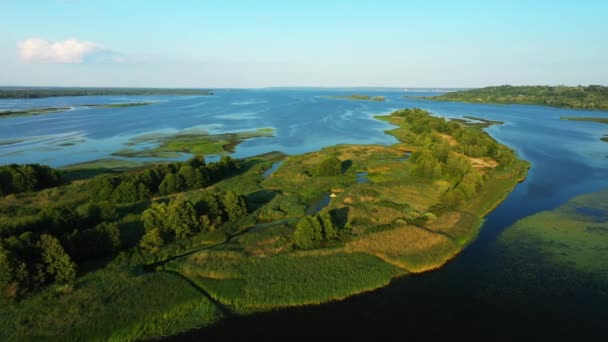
110	304
253	283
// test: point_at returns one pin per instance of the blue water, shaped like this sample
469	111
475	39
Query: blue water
568	159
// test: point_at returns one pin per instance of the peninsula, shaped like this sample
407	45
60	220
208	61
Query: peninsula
94	258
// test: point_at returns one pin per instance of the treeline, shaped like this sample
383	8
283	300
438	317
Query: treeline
590	97
30	93
437	159
161	180
179	219
30	177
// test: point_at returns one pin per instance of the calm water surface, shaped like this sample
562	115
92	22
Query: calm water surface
466	298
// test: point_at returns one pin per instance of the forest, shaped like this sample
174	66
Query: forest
592	97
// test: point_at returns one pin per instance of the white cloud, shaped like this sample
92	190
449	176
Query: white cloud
66	51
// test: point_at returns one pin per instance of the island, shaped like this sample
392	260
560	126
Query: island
41	92
357	97
593	97
159	249
47	110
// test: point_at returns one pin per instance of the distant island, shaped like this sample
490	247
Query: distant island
360	97
47	110
593	97
37	92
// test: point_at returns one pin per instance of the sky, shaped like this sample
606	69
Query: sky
321	43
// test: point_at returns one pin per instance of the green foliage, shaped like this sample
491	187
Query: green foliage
286	279
172	183
234	206
330	166
312	230
30	177
590	97
56	261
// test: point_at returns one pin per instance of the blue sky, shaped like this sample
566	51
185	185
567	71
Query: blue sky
261	43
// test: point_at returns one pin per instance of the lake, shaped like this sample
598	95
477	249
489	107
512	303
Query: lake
469	296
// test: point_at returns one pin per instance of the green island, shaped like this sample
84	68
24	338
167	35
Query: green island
159	249
47	110
360	97
193	142
33	111
587	119
593	97
40	92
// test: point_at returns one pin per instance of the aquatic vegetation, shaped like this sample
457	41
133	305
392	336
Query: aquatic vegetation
199	143
360	97
575	234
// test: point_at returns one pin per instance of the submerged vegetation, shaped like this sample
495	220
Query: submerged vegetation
201	143
39	92
574	235
360	97
94	258
593	97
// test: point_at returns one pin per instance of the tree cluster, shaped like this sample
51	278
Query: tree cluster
30	261
330	166
29	177
162	180
311	231
179	219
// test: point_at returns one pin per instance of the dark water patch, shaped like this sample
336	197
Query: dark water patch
362	177
272	169
319	204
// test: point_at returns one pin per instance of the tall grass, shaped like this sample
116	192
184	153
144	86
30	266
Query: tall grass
252	283
111	304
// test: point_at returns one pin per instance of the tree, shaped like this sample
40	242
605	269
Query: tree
308	233
172	183
152	240
56	261
329	229
330	166
234	206
182	219
111	234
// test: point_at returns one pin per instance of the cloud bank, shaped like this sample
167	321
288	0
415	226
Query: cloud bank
68	51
